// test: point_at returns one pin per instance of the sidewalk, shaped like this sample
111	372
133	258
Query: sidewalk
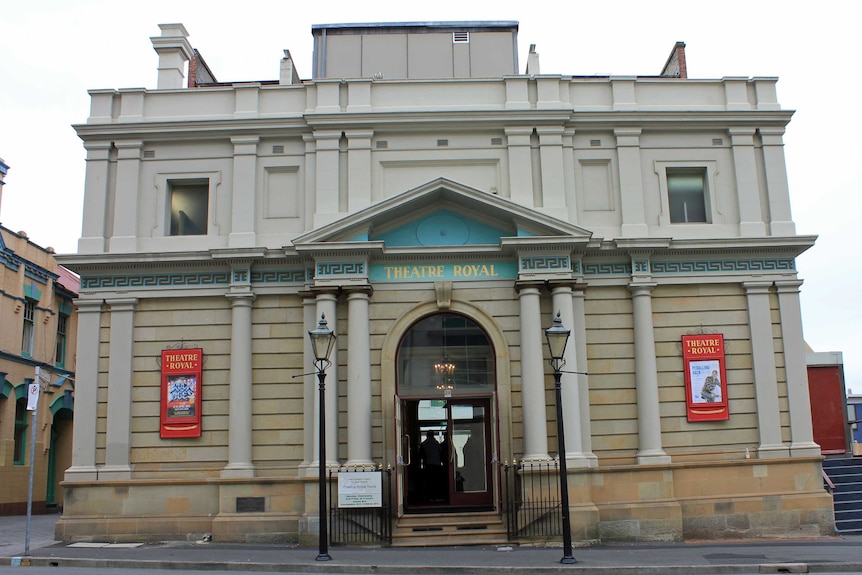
833	554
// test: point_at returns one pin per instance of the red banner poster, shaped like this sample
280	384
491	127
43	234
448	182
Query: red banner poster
705	388
182	371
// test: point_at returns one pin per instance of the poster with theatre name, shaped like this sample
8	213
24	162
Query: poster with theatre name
705	391
181	392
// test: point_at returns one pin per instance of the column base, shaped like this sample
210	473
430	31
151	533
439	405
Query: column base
115	472
804	449
580	461
237	470
81	474
653	457
775	451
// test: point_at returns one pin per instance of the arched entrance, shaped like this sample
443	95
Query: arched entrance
446	383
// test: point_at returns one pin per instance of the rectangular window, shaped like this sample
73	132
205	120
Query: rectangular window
62	326
189	203
29	328
686	191
19	453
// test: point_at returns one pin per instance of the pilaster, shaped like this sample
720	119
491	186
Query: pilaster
358	170
775	169
326	301
520	166
86	391
242	233
751	221
631	182
124	237
327	155
92	239
765	379
551	149
118	433
796	370
240	431
646	377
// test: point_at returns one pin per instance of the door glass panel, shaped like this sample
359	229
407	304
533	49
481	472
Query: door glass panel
468	438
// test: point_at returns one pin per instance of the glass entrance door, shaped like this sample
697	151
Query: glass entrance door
448	454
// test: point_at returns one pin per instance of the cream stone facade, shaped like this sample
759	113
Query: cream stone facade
438	210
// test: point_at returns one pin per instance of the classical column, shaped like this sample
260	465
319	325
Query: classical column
326	300
242	222
646	377
95	197
765	379
561	294
309	311
747	188
520	166
86	392
535	416
358	377
239	433
125	216
579	334
631	182
796	369
118	432
775	170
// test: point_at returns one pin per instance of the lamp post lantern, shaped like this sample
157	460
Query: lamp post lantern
557	337
322	342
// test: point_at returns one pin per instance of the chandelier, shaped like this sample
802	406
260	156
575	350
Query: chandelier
444	370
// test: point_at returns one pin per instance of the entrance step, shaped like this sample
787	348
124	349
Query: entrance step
446	529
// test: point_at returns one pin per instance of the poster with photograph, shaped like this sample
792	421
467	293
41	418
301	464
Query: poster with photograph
182	371
706	392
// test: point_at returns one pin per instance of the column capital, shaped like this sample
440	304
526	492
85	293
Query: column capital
522	285
566	283
358	290
757	287
89	305
122	304
788	286
639	289
240	298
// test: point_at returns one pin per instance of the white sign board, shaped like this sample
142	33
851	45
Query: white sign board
33	397
360	489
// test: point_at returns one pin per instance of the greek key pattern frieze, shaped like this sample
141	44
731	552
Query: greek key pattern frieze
240	276
155	280
607	268
546	263
719	266
278	276
329	269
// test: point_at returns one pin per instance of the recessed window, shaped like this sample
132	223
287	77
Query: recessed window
189	202
29	331
19	452
686	194
62	328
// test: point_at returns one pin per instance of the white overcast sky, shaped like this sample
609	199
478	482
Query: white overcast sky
53	51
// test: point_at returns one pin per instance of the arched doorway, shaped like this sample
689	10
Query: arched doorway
446	383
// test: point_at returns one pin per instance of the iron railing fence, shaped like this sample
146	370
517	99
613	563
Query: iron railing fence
361	525
532	496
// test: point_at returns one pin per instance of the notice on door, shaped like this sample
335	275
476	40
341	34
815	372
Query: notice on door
360	489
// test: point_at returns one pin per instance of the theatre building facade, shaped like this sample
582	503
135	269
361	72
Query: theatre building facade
438	208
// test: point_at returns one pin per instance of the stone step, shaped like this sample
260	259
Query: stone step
438	529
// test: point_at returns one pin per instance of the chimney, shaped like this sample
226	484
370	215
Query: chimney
675	65
288	73
4	168
174	51
533	62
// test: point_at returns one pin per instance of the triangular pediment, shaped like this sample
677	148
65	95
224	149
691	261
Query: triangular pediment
441	214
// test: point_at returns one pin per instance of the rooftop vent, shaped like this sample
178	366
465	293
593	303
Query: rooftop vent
460	37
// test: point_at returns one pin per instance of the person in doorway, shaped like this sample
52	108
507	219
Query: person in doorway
432	458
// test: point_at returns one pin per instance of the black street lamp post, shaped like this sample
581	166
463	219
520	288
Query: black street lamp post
322	342
557	337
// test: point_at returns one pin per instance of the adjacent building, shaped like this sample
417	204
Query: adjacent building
38	327
439	207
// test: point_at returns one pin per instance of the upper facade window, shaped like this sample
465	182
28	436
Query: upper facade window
687	195
29	331
62	328
189	202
